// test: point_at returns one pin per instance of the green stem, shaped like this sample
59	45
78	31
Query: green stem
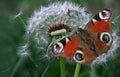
62	66
17	66
45	71
77	70
48	49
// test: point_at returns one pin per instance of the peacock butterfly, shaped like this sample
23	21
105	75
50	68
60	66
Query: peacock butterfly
87	44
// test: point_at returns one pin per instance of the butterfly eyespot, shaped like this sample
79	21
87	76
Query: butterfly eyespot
79	57
105	14
57	49
106	38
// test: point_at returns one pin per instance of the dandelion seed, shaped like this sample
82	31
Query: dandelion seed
19	14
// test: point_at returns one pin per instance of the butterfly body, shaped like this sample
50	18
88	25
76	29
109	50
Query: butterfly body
88	43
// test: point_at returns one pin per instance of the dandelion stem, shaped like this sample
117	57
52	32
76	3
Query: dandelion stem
77	70
62	66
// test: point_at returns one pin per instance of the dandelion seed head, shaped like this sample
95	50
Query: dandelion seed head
53	14
45	17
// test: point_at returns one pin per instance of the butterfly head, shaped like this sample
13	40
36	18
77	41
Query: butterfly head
105	14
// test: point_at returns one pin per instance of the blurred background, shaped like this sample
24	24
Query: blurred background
12	32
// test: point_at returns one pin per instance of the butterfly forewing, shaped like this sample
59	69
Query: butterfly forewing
101	22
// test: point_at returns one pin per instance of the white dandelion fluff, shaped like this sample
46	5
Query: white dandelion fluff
48	16
23	50
53	14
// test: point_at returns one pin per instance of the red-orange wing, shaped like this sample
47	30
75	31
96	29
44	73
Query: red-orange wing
101	22
91	45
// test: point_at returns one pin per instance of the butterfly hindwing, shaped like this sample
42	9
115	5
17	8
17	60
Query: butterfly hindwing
91	45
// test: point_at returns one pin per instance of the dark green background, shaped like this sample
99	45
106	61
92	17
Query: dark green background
12	35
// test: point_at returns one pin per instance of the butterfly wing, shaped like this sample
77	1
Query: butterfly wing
91	45
101	22
88	43
95	39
